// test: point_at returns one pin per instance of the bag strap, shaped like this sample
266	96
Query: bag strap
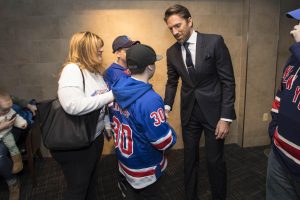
83	80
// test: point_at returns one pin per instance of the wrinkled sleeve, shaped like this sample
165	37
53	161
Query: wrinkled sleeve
71	94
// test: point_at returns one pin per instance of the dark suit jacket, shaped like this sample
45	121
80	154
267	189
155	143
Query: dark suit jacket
214	90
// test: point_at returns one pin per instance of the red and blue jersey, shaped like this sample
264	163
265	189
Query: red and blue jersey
141	132
284	128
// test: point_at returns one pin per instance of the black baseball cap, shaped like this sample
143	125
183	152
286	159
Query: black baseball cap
140	56
294	14
123	41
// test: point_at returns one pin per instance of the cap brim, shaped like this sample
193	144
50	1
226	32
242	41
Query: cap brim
127	45
159	57
294	14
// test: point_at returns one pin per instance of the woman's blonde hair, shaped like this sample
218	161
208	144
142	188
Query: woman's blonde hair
83	51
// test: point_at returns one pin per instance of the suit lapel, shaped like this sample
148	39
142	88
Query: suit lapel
200	51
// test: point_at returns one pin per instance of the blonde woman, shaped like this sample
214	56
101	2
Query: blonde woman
79	166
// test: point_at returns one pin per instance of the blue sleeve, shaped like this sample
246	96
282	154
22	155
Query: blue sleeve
112	75
159	133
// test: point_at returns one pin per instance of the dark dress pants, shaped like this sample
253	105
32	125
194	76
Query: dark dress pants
80	170
191	134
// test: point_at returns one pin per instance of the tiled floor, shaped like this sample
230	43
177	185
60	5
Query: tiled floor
246	177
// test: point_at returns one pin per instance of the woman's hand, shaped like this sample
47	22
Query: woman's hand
32	108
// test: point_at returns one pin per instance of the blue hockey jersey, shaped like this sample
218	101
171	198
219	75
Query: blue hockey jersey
114	72
284	128
141	132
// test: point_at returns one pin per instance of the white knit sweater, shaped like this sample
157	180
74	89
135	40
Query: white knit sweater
77	102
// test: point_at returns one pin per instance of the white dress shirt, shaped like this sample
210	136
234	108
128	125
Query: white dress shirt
192	47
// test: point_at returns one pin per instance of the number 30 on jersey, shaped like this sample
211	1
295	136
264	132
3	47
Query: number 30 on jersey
123	137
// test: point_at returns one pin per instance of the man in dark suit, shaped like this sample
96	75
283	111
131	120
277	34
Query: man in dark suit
203	63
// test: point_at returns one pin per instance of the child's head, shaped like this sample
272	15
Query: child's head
5	102
120	45
141	57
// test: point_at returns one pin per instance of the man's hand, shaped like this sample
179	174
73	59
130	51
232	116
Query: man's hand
222	129
4	124
167	113
296	32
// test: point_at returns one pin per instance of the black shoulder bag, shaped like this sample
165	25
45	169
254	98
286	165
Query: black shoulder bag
62	131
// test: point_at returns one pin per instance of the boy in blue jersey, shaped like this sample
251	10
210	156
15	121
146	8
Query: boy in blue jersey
119	68
283	174
141	131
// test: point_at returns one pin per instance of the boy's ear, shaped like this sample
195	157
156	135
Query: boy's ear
150	67
117	53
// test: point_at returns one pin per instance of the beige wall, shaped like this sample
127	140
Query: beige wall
263	27
267	51
34	39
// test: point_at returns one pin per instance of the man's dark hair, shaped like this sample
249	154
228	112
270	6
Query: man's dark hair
177	10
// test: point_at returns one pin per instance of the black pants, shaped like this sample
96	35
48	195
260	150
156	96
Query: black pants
151	192
80	170
214	155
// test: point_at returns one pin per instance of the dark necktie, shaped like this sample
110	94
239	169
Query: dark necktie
189	62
